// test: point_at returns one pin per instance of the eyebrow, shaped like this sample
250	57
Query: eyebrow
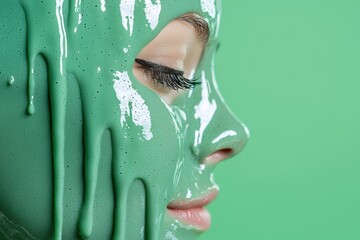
200	25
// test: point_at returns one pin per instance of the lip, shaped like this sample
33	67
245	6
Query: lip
192	212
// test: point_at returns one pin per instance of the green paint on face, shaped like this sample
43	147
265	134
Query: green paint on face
98	155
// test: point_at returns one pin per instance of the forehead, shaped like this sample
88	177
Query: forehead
143	20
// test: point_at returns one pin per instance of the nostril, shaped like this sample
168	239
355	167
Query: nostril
218	156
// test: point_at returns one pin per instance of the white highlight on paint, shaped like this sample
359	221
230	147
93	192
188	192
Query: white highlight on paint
127	8
77	10
189	194
209	7
103	7
11	230
131	103
201	168
152	12
142	232
223	135
170	236
205	110
217	27
247	131
212	180
126	49
11	80
62	32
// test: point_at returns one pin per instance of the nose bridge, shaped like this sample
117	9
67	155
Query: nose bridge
219	130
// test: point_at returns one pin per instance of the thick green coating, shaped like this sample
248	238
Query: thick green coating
86	150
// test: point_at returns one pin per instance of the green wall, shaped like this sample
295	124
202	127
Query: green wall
291	71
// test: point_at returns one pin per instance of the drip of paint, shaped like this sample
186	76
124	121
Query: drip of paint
31	92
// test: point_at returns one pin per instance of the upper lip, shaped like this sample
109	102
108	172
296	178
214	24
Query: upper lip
201	201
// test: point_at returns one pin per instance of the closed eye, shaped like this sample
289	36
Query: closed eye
166	65
166	76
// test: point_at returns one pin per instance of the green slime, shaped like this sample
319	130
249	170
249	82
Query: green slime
97	155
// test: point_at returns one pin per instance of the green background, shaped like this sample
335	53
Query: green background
291	71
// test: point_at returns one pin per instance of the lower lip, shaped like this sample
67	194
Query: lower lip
198	217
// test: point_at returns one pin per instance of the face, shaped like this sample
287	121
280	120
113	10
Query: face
124	121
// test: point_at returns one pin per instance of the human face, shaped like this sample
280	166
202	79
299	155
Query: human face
115	152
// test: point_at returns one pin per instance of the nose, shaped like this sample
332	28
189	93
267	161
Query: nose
231	138
223	136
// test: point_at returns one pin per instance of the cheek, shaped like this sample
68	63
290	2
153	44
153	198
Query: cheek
150	151
161	150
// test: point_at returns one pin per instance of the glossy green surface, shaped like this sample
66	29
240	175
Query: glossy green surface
86	150
295	68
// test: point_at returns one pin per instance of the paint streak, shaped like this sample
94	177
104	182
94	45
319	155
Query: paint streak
152	12
204	111
132	104
208	6
127	8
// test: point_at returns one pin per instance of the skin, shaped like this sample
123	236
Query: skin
177	46
82	162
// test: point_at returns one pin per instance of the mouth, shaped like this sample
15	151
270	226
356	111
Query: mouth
192	212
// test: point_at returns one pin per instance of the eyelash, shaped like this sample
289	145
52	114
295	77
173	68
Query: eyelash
168	77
